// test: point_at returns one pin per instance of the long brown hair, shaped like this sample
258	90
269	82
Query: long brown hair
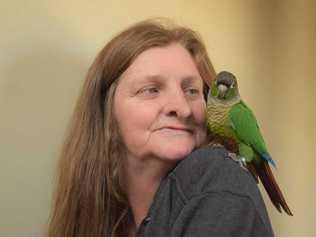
89	198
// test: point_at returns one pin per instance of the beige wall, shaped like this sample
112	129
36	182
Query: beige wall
294	114
47	46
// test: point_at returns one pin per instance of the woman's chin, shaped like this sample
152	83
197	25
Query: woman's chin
177	152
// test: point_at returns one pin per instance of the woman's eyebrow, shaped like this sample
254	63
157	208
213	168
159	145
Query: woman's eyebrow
189	80
148	79
157	78
137	82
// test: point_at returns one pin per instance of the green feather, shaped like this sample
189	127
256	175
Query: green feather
246	128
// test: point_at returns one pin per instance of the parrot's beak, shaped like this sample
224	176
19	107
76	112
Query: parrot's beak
222	90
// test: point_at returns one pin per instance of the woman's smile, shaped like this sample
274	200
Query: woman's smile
176	130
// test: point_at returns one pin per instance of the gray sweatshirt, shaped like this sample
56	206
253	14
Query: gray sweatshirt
207	194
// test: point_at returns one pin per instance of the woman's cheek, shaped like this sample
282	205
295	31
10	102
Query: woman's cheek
200	117
200	113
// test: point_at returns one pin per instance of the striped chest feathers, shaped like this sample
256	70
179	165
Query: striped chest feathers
218	119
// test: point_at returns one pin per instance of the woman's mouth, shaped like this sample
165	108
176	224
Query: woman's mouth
177	129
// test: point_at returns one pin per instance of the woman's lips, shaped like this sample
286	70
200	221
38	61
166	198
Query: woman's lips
177	128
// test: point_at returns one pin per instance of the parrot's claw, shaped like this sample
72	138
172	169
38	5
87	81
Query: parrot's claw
241	160
216	145
233	156
242	163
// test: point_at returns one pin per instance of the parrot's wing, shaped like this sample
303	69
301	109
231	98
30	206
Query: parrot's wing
246	128
244	123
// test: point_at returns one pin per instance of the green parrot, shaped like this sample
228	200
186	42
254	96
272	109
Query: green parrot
232	124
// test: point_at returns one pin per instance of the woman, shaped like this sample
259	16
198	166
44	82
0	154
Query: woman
122	171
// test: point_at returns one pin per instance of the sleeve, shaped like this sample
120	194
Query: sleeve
221	214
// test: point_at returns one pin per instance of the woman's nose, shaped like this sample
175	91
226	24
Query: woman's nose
178	105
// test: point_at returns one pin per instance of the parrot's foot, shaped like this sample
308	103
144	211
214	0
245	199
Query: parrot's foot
233	156
217	145
241	160
242	163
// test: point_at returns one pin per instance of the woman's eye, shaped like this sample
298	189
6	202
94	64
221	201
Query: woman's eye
192	91
149	90
152	90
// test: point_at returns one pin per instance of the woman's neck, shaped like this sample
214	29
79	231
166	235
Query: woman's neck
142	182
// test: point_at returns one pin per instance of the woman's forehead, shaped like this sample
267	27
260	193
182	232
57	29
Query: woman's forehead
163	62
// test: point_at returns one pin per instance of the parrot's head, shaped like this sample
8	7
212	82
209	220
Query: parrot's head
224	88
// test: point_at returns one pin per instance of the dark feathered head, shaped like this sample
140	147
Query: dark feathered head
224	87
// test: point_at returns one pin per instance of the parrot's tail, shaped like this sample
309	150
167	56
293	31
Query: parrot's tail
263	171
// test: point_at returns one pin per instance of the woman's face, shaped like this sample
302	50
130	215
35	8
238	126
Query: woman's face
159	105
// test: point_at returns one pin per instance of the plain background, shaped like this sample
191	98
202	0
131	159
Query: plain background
47	46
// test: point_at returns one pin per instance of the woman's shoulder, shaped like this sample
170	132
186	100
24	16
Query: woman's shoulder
210	169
